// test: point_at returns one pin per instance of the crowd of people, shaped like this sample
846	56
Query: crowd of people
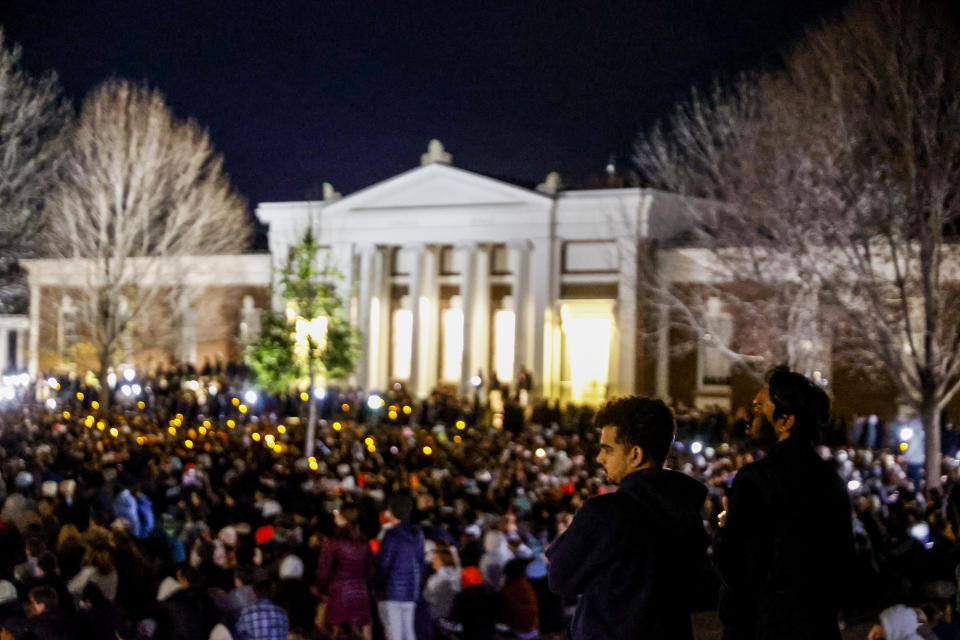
184	507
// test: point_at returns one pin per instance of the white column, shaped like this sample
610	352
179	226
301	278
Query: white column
430	320
34	366
663	353
421	282
543	301
6	361
481	314
364	296
522	347
382	290
188	326
468	293
626	382
21	343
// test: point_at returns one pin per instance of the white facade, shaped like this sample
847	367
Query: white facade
449	265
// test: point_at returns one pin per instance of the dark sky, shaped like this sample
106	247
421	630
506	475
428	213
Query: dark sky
296	93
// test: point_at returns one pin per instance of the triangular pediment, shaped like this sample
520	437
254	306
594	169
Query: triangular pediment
436	186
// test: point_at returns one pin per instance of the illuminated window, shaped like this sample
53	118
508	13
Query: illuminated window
402	343
452	340
588	332
504	325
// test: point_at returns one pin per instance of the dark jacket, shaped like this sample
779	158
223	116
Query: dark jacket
52	625
631	555
477	610
786	549
400	564
188	613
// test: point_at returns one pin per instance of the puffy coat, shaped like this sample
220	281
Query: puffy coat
400	564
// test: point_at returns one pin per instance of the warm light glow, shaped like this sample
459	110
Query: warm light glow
188	444
304	396
235	402
141	405
88	421
269	439
904	446
314	465
402	343
315	329
203	431
114	432
461	425
337	426
172	431
79	396
231	423
368	441
452	343
255	436
427	450
588	331
407	409
140	440
94	405
504	332
206	423
541	452
392	414
281	429
66	415
101	425
242	408
457	438
345	407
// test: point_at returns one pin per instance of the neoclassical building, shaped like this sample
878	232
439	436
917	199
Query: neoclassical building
453	274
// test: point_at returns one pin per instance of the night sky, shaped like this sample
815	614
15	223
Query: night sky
296	93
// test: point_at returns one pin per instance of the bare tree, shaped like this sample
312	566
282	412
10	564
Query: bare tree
139	192
837	180
32	121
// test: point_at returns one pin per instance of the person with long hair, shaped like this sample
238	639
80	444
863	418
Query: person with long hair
344	570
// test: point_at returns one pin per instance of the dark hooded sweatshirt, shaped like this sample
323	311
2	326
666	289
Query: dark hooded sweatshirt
630	555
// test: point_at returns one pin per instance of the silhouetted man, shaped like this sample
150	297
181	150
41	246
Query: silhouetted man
786	543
